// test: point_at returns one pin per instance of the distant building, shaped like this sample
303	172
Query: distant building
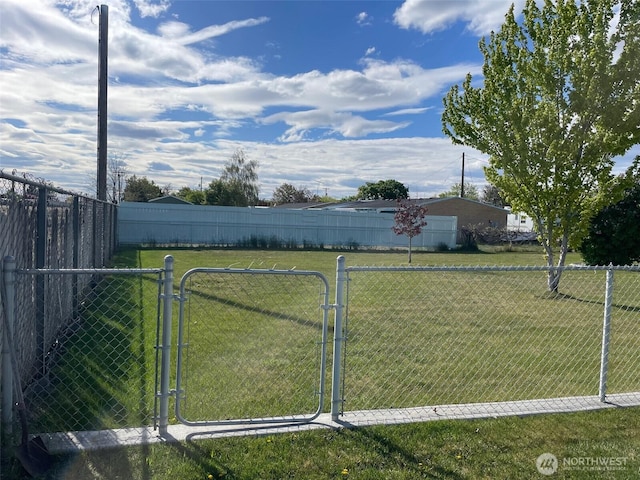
519	222
170	199
467	211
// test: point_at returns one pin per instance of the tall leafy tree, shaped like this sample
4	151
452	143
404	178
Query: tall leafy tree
560	99
196	197
382	190
287	193
238	184
470	191
141	189
409	220
224	193
491	195
614	233
241	174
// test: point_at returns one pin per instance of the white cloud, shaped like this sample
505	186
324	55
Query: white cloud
407	111
48	102
44	35
363	18
173	30
427	166
378	85
168	56
370	51
346	124
218	30
148	8
429	16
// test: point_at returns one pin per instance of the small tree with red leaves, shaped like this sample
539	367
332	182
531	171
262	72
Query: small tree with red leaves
409	218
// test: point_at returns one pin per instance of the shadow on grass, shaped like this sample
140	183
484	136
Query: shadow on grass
303	322
409	462
105	463
568	296
99	378
362	450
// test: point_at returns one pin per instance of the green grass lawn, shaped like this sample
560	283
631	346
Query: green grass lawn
414	338
253	350
505	448
430	338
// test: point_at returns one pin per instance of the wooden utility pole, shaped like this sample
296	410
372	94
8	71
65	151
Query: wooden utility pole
103	44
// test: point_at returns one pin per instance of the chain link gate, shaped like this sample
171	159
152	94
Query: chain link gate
252	346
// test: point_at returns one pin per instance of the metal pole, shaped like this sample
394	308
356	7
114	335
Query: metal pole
165	363
41	262
103	44
7	298
606	334
76	252
94	233
336	400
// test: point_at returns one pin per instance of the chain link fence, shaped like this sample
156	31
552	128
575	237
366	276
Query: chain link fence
252	344
99	372
46	227
417	337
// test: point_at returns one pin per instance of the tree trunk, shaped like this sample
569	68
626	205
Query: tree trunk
409	249
553	279
555	271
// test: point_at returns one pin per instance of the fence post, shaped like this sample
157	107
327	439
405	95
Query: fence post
165	362
336	400
41	262
7	296
76	252
94	233
606	332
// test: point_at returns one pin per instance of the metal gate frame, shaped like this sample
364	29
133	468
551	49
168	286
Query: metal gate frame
165	347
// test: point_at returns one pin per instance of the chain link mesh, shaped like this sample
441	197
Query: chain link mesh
252	345
98	373
252	341
419	338
45	227
624	354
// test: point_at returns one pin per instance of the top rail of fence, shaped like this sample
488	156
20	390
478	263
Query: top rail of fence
490	268
40	183
97	271
261	271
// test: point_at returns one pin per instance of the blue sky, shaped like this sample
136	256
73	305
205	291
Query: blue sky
325	95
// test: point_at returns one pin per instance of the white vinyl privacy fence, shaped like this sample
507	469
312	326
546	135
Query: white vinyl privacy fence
152	223
222	346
